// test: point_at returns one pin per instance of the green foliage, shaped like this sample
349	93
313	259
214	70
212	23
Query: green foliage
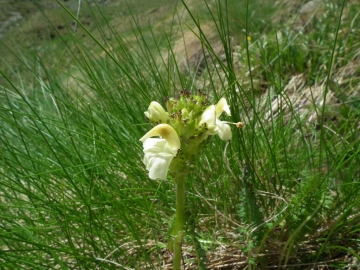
309	195
249	209
191	231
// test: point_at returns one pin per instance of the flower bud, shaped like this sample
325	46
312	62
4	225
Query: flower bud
156	113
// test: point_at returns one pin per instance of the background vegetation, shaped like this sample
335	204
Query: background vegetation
76	77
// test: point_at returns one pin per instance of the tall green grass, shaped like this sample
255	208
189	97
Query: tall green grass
74	193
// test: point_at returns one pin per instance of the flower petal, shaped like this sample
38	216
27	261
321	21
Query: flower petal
159	152
223	130
221	107
157	158
209	118
168	133
215	126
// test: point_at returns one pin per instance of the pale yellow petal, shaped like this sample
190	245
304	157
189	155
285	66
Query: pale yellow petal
221	107
223	130
167	132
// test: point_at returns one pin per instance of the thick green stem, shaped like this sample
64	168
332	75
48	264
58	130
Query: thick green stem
178	231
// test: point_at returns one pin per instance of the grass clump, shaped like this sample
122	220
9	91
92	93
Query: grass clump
285	191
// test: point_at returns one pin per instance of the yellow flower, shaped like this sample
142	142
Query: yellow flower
156	113
210	117
159	152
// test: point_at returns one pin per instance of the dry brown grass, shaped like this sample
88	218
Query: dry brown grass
190	53
300	100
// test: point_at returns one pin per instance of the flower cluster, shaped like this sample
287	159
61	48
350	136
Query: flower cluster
181	132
